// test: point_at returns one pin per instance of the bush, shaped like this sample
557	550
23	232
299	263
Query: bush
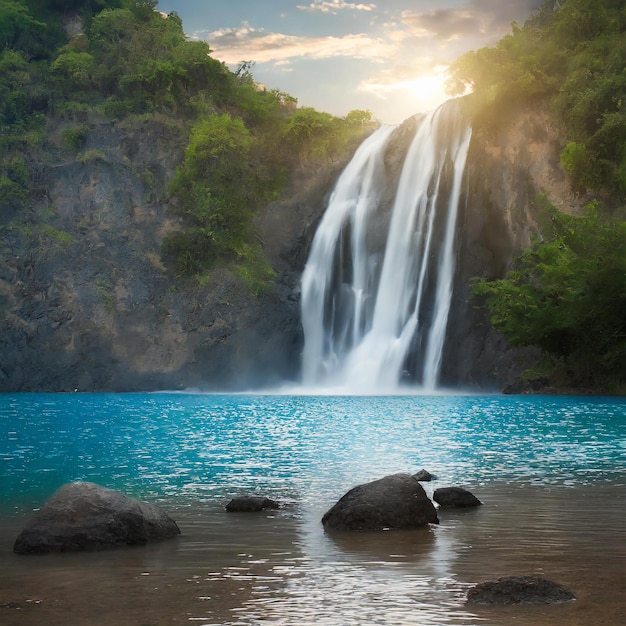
578	163
567	295
74	137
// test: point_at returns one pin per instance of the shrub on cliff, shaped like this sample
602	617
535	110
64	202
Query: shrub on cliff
212	188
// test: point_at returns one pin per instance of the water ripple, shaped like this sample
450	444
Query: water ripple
550	472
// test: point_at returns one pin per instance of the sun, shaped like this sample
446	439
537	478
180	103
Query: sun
429	90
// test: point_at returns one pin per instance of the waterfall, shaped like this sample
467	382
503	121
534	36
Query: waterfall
377	286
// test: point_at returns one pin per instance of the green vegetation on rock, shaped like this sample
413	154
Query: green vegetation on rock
567	295
67	68
572	56
567	292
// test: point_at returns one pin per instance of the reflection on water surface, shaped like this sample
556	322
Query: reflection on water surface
549	471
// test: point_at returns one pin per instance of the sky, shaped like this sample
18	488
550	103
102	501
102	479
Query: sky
386	56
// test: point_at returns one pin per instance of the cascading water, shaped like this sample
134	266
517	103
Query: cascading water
377	286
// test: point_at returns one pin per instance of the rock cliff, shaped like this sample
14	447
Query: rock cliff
507	170
88	304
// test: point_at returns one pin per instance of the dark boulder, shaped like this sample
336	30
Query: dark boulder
396	501
519	590
246	504
424	476
84	516
455	496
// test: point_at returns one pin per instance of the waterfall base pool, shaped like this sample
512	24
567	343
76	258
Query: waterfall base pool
550	471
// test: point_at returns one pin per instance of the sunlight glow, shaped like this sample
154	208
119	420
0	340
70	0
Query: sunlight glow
407	95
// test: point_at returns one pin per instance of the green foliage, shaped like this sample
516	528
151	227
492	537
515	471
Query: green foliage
21	119
15	83
229	171
131	62
253	269
14	168
73	70
12	195
213	188
218	144
55	236
571	55
579	165
145	60
359	117
40	239
74	137
319	136
18	28
311	133
519	68
104	289
567	295
95	154
14	183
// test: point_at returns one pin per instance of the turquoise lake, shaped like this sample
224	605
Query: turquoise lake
551	472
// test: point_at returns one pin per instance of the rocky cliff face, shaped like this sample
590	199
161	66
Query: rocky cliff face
87	303
506	172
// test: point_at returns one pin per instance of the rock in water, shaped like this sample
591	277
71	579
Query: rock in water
393	502
455	496
84	516
247	504
424	476
519	590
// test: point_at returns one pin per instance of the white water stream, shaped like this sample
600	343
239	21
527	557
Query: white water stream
367	308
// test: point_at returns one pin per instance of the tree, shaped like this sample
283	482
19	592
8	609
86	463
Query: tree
18	28
73	70
211	189
358	117
567	295
313	134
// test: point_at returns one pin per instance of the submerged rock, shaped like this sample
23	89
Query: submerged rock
83	516
455	496
393	502
246	504
519	590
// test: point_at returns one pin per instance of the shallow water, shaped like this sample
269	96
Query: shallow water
550	471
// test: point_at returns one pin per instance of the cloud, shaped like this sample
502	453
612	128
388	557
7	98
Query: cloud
332	6
285	66
475	23
232	45
478	17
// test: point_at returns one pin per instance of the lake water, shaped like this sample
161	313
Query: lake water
551	472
